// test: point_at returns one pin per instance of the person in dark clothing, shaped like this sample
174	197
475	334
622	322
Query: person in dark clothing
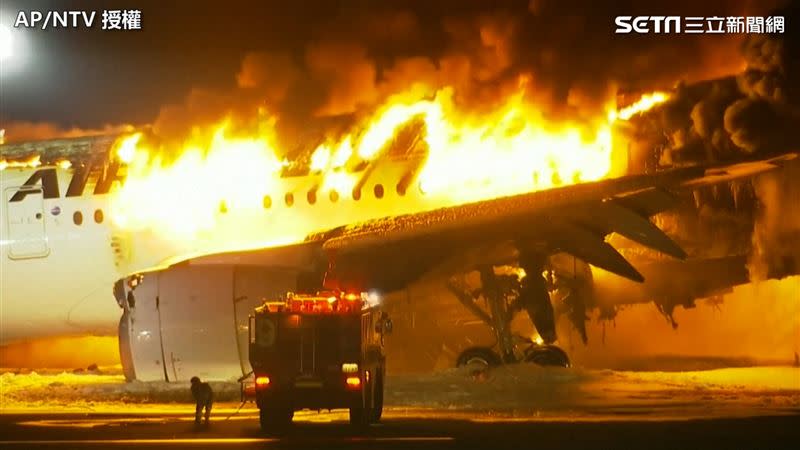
203	397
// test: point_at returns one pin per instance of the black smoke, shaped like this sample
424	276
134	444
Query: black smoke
753	112
342	65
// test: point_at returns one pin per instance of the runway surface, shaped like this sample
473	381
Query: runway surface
516	407
400	429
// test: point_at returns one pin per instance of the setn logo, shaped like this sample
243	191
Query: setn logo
641	24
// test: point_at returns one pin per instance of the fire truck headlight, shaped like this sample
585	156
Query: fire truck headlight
353	382
349	368
262	382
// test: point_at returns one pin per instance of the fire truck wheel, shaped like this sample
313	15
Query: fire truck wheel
361	416
275	419
358	416
377	406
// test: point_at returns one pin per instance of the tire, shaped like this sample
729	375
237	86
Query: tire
276	418
360	416
547	356
478	355
377	396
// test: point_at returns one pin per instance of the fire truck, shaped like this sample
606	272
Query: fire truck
323	351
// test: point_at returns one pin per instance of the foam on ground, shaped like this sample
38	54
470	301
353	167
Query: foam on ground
513	391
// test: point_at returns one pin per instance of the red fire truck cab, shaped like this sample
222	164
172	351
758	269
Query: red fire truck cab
321	351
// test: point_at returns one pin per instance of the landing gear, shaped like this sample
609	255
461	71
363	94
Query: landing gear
478	357
504	295
482	358
547	356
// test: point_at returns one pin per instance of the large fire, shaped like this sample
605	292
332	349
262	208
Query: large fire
185	196
465	158
645	103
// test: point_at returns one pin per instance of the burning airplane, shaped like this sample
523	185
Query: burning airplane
438	169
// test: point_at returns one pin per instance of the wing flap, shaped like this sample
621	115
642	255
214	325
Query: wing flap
736	171
591	248
646	202
625	222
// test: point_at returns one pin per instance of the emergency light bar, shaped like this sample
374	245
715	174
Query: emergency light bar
323	302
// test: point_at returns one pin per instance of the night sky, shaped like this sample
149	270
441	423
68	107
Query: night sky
90	77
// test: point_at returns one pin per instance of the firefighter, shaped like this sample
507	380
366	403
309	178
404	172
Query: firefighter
203	397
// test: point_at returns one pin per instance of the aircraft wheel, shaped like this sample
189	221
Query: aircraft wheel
547	356
479	357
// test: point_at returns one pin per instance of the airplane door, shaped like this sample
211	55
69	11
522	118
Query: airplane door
25	220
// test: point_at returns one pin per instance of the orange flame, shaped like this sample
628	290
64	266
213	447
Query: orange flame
126	147
468	158
647	102
184	196
32	162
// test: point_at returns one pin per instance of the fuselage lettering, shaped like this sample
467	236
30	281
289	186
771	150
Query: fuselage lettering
48	177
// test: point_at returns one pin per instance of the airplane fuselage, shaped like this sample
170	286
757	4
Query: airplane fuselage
55	260
61	253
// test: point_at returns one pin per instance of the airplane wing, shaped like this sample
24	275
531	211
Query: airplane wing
388	253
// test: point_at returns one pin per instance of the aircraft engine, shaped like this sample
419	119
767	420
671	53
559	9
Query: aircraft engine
191	320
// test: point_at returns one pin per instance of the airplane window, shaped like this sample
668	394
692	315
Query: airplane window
267	202
334	196
356	194
77	217
312	196
289	198
401	189
98	216
378	191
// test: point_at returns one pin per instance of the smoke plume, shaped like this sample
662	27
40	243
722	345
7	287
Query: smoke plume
754	111
754	324
571	61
